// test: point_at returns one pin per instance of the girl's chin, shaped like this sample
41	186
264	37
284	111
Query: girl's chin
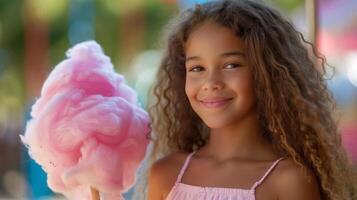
214	124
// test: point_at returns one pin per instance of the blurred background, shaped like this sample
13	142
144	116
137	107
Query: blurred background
35	34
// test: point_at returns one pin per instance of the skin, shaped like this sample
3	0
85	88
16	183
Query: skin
237	155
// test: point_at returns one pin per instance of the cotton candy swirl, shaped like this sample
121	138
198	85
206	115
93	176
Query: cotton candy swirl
87	128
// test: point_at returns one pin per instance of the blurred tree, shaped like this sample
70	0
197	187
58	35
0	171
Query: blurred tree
288	5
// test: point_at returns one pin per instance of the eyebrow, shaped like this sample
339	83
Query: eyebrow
226	54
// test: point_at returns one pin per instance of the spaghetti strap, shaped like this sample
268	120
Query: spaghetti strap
267	173
183	169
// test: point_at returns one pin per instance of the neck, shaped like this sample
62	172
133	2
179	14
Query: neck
243	140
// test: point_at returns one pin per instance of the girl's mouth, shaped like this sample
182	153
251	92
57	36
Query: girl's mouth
215	103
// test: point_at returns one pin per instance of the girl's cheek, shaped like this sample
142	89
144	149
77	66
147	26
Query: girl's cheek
192	81
245	85
192	86
242	79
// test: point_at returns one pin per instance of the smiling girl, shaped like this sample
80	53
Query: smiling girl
243	112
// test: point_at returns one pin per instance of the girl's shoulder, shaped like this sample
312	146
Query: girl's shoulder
293	181
170	164
164	172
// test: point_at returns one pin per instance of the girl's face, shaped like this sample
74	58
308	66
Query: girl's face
219	82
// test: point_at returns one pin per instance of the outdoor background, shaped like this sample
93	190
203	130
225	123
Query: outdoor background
35	34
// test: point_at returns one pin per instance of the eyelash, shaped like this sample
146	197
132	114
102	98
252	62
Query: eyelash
198	66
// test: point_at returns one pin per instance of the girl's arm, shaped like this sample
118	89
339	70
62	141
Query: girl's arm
154	187
162	176
294	185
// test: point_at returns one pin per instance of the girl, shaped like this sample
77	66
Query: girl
243	111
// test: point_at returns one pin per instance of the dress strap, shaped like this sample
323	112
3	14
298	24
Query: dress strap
267	173
183	169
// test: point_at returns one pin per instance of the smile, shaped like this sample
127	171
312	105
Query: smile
215	103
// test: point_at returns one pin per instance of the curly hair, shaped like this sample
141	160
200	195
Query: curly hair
296	109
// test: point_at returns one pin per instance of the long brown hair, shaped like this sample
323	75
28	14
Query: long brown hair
294	104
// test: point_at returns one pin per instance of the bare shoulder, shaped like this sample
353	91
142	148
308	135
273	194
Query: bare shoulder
291	182
169	166
163	174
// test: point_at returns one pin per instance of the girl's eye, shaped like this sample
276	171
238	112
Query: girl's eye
232	65
196	69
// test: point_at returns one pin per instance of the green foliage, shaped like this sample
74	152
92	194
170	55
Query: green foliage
288	5
156	16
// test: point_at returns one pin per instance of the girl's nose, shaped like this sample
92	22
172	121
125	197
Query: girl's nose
213	82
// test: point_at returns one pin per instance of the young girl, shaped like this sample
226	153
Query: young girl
243	112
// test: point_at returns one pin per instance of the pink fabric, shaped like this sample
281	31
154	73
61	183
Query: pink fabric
182	191
87	128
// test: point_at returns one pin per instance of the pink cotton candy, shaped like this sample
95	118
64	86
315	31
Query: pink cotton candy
87	129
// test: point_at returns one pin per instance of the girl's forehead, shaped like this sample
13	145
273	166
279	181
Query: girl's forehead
211	35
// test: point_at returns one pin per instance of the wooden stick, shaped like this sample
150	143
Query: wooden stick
94	194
